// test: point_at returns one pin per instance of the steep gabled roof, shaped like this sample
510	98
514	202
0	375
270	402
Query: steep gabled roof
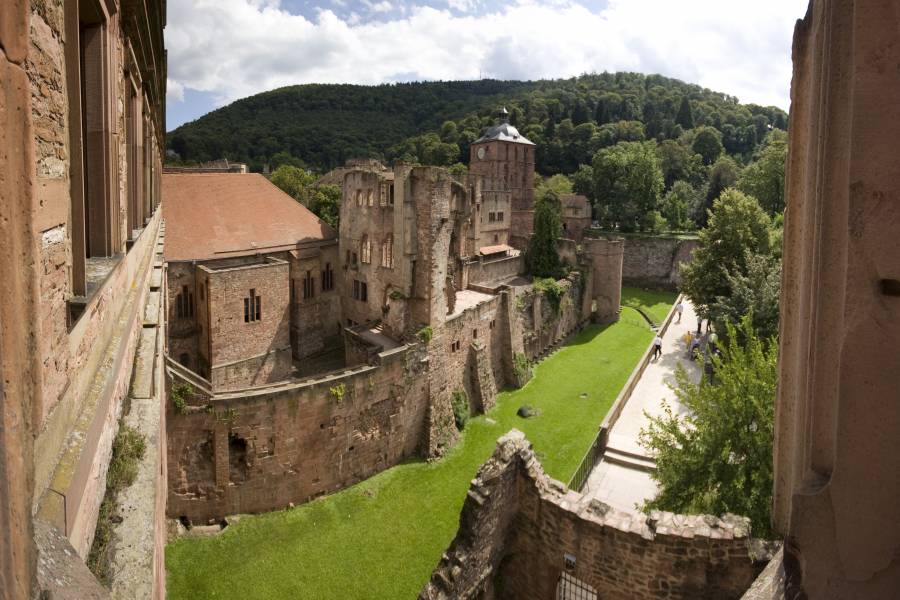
218	215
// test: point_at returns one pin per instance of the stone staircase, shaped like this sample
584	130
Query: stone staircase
629	460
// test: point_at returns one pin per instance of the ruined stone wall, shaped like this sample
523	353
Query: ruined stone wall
518	526
653	262
542	324
567	250
488	271
315	321
250	353
183	331
372	223
495	216
471	337
605	259
260	450
430	194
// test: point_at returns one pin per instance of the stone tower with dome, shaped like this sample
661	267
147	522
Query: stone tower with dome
504	158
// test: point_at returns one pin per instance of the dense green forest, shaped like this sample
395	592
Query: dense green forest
320	126
323	125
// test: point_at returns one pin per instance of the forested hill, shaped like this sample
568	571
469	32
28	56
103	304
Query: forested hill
321	125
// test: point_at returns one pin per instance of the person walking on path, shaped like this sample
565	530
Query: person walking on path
679	308
657	347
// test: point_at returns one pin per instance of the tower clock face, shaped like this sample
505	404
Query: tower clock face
481	153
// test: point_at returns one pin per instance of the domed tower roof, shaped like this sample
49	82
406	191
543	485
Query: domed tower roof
504	132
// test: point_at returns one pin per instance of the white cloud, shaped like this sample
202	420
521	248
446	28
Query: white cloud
235	48
462	5
174	91
379	7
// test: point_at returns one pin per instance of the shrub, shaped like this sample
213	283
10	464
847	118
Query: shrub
551	290
654	222
338	392
180	393
425	334
460	404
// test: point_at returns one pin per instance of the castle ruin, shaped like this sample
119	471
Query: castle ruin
311	360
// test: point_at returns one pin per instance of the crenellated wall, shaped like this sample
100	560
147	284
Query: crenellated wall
521	531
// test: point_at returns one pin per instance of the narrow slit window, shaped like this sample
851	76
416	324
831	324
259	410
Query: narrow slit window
327	278
252	307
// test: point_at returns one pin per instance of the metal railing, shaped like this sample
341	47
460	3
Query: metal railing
588	462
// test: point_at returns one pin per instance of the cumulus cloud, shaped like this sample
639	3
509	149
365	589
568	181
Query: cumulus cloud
235	48
174	91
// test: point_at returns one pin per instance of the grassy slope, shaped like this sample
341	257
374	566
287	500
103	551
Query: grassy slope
381	539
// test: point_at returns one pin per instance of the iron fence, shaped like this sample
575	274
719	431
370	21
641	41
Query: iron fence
590	460
570	588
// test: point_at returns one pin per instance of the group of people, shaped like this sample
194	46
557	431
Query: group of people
696	343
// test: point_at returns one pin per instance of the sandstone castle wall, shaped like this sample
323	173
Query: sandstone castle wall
520	531
261	449
653	262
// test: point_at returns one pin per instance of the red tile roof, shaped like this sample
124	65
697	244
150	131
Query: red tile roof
218	215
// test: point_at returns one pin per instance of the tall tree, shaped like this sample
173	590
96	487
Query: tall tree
717	457
627	184
764	178
678	162
542	258
685	116
755	292
738	228
722	175
708	144
293	181
583	182
676	206
325	202
559	184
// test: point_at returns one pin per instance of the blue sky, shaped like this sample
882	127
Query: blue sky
223	50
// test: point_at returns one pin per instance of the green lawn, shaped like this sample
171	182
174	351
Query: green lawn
381	539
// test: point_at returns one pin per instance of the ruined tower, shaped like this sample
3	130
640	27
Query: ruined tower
505	160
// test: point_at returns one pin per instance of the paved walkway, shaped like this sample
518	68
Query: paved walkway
622	479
